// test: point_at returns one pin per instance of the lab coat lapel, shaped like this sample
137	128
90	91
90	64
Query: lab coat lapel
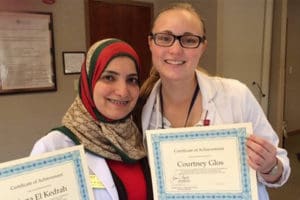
208	92
99	166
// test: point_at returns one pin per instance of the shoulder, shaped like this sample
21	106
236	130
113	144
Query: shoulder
215	85
229	84
52	141
232	86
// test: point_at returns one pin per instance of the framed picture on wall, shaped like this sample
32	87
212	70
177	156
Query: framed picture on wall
27	62
72	61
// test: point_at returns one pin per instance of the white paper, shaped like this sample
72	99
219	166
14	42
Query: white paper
201	162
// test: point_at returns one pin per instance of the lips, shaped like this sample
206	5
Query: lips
175	62
118	102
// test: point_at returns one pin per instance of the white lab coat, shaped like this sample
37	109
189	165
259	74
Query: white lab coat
226	101
57	140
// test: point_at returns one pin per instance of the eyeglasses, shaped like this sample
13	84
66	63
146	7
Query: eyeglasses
168	39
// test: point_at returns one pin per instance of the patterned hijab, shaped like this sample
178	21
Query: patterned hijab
112	139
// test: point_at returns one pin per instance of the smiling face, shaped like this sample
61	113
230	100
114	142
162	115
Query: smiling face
116	91
176	62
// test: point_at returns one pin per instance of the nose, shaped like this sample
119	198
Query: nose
176	47
122	89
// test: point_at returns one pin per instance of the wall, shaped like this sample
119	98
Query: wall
292	108
244	34
26	117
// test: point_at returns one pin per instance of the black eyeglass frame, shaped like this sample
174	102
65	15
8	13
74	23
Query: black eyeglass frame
177	37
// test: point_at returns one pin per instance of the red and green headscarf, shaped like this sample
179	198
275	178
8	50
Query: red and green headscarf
98	57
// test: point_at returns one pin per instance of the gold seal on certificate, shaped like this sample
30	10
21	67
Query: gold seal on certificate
57	175
201	163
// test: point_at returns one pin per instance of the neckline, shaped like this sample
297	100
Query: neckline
193	100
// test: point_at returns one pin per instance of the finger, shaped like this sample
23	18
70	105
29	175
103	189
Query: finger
262	142
254	157
261	146
261	158
253	165
257	149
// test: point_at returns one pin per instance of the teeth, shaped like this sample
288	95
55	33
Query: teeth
175	62
118	102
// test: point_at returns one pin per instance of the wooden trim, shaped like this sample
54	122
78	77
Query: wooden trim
294	132
219	53
266	54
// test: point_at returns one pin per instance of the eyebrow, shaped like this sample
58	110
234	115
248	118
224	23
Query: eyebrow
110	72
116	73
170	32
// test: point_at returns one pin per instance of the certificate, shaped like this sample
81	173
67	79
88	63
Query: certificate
57	175
72	61
26	52
201	163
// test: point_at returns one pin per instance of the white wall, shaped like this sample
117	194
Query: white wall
244	34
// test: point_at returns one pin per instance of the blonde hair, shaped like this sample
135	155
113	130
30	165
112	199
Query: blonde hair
180	6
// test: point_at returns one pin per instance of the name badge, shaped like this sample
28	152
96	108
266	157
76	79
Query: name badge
95	182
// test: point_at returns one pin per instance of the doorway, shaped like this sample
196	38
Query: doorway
128	21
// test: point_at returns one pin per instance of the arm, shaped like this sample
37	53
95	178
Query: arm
50	142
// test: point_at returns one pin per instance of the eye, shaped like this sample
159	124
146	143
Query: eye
108	78
164	37
190	40
133	81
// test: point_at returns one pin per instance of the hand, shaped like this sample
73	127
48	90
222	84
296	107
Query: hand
261	154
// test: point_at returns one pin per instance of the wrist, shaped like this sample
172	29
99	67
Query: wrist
274	170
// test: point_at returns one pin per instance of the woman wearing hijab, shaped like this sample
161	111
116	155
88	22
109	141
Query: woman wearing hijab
100	119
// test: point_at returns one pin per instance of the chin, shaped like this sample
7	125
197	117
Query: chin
174	77
117	116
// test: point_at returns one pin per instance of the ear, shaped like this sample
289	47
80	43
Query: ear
202	48
204	45
150	43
